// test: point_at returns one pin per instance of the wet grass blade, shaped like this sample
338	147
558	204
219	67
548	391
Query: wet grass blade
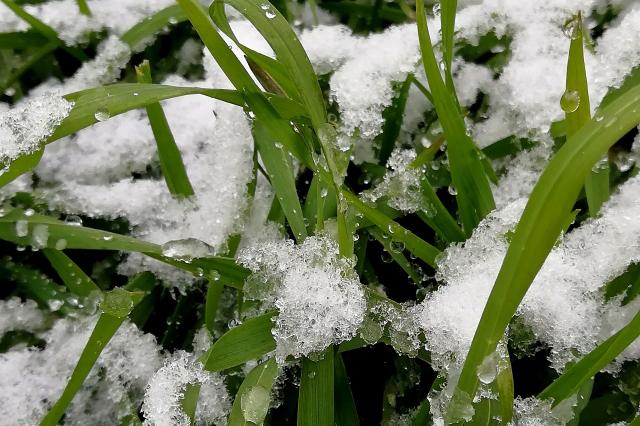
316	395
475	199
542	221
448	21
575	103
575	376
137	36
253	396
250	340
171	163
21	166
346	413
106	327
393	116
73	277
396	255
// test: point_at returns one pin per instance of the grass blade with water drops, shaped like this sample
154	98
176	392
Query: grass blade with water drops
576	105
474	196
73	277
542	221
171	163
253	398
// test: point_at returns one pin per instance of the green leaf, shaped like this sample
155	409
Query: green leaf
412	242
250	340
285	44
576	116
254	395
475	199
396	255
137	35
21	40
170	158
437	217
448	21
570	382
20	166
104	330
393	116
280	172
73	277
316	395
346	413
545	214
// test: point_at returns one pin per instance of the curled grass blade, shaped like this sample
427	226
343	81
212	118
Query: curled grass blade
575	376
250	340
475	199
542	221
261	379
171	163
316	394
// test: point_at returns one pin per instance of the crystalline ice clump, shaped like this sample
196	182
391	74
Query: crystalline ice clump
162	400
318	296
24	128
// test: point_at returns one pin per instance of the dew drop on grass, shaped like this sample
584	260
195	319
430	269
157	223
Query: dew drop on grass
270	14
396	246
324	192
40	236
22	228
452	190
117	302
570	101
73	220
571	29
102	114
29	212
254	403
61	244
187	249
488	369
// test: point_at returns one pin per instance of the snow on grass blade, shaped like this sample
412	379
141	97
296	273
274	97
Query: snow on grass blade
316	395
253	398
250	340
170	158
575	376
577	108
115	306
475	199
137	35
73	277
542	221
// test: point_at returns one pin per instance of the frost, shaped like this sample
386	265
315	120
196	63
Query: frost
317	293
24	128
162	400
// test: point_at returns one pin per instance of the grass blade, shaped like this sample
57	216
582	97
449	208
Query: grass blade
316	395
575	103
475	199
397	256
346	413
73	277
575	376
83	7
543	219
137	35
250	340
254	395
448	22
393	116
170	158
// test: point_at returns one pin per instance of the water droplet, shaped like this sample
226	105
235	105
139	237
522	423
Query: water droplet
173	20
22	228
332	118
73	220
570	101
40	236
254	404
61	244
117	302
488	369
10	91
102	114
107	237
396	246
324	192
278	145
136	94
356	237
452	190
571	28
55	304
270	14
265	6
186	250
385	256
29	212
425	142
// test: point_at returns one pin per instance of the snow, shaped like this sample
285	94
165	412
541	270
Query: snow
18	315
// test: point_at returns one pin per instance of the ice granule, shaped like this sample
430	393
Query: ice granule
163	396
24	128
18	315
318	295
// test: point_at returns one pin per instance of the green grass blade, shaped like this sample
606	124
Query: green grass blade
40	53
21	40
73	277
475	199
396	255
575	103
280	171
575	376
416	245
316	395
286	46
545	214
83	7
113	315
221	52
448	22
137	35
254	395
214	291
393	116
249	340
346	413
21	166
438	217
635	421
170	158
